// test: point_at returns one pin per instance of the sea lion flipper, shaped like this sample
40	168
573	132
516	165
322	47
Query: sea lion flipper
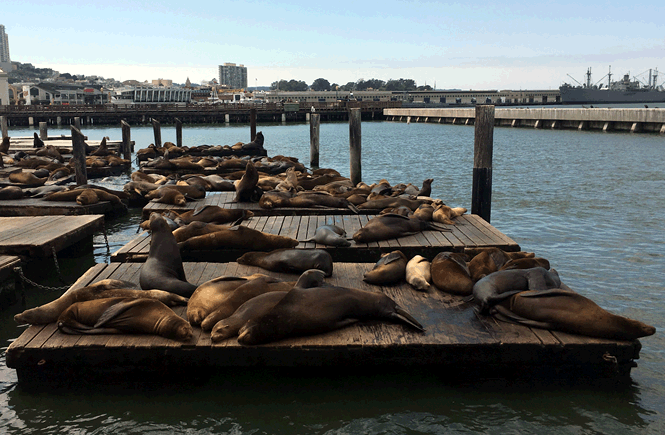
115	310
546	293
402	316
199	208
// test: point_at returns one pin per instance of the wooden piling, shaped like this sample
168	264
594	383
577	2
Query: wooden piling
126	140
77	122
43	131
252	124
314	123
157	129
481	198
78	145
178	132
3	126
355	149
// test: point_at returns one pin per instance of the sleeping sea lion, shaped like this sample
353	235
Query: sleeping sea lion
330	235
390	269
390	226
238	237
209	295
290	260
418	273
336	307
450	273
122	316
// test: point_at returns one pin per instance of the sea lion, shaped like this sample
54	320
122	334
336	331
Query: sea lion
445	214
26	178
526	263
4	146
190	191
424	212
380	204
106	288
450	273
215	214
256	144
163	269
209	295
426	190
196	228
390	269
37	142
418	273
87	197
390	226
488	260
124	315
336	307
330	235
238	237
500	285
568	311
102	150
166	195
50	151
246	189
11	192
307	199
255	307
241	294
290	260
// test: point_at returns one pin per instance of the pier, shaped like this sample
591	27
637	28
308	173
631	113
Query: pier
605	119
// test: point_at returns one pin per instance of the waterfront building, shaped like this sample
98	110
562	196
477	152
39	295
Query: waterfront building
233	76
148	94
64	93
4	88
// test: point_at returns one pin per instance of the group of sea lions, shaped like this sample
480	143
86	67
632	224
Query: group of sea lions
512	286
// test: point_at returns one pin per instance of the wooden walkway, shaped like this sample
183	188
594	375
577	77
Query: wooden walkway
38	236
456	339
470	231
40	207
225	200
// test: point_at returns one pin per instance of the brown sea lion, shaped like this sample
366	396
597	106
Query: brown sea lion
37	142
390	269
426	190
214	214
568	311
256	144
424	212
501	285
445	214
526	263
243	293
255	307
336	307
107	288
163	269
50	151
190	192
122	316
4	146
238	237
209	295
87	197
166	195
26	178
11	192
450	273
102	150
246	189
489	260
380	204
290	260
196	228
389	226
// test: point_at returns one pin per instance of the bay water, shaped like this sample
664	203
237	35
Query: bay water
589	202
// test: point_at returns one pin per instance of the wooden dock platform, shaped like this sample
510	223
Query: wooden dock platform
456	339
469	231
38	236
40	207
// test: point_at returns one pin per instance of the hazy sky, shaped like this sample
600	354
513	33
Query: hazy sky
467	45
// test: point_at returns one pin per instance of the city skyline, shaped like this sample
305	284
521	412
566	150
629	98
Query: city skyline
466	46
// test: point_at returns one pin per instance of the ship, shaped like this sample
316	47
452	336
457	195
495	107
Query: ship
622	91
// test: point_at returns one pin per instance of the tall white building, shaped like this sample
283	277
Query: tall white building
232	75
4	46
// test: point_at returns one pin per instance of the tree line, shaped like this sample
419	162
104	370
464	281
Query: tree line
322	84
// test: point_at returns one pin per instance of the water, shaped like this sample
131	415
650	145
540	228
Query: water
590	202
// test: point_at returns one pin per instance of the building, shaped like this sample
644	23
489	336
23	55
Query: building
5	61
64	93
163	82
4	88
148	94
233	76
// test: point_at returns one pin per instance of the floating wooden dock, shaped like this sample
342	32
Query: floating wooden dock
469	231
456	339
39	236
40	207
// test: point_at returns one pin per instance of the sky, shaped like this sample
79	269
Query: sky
479	45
